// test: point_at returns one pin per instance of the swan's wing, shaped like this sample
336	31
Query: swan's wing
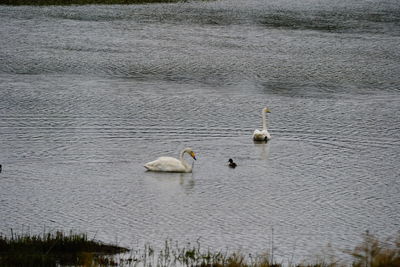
266	134
256	131
258	135
166	164
261	135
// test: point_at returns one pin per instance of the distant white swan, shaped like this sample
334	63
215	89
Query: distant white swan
170	164
262	135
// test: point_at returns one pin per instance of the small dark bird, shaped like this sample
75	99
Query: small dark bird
0	168
232	164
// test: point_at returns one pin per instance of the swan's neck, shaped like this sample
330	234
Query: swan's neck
187	166
264	120
181	155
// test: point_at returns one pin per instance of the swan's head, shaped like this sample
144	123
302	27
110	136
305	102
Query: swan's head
191	153
266	110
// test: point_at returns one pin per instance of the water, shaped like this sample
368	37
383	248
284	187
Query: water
91	93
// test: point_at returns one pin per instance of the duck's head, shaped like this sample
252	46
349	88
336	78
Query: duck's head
230	161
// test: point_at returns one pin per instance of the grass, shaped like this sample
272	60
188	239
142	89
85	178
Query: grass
371	252
82	2
54	249
60	249
193	255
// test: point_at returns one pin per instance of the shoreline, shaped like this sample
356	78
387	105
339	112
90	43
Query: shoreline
60	249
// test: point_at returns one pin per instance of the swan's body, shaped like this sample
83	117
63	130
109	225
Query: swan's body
262	135
170	164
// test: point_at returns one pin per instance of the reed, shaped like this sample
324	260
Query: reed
82	2
192	255
59	249
373	252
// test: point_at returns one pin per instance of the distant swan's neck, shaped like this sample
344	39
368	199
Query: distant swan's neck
264	120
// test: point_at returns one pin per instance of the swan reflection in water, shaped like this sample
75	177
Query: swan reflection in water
263	147
170	182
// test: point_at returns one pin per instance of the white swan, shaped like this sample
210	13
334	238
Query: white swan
170	164
262	135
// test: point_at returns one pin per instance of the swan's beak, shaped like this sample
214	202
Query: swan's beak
267	110
193	155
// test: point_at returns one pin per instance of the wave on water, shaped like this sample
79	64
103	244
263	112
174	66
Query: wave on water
291	46
330	16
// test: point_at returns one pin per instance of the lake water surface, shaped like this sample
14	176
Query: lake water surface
91	93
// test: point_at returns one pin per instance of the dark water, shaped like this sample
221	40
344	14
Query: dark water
91	93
